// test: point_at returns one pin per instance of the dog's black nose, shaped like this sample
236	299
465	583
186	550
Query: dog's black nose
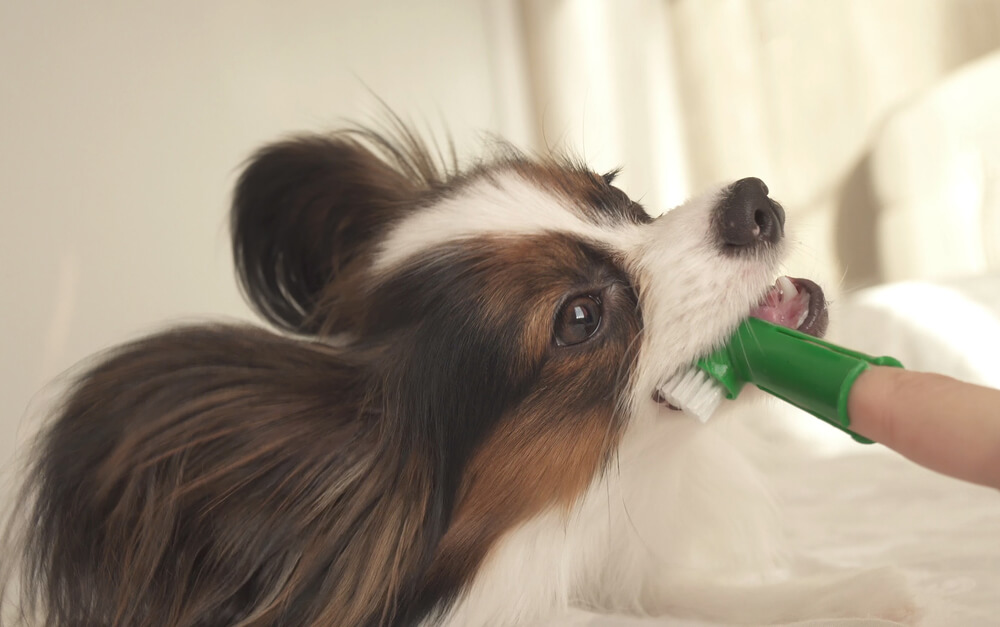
746	217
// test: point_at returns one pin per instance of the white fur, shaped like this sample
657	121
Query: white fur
682	523
691	294
505	204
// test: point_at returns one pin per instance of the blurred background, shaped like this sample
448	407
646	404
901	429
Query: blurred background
123	126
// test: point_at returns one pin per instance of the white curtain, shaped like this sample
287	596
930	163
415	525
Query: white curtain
687	93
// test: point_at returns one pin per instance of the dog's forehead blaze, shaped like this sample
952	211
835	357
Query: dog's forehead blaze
517	198
591	195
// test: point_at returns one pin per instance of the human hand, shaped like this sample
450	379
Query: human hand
941	423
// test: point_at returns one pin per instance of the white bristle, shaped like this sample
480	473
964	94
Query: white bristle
694	392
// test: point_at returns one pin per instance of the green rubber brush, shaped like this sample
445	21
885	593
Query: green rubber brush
807	372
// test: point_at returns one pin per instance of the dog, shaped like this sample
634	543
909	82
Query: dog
455	422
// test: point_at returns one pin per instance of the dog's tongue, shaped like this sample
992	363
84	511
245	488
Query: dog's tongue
784	304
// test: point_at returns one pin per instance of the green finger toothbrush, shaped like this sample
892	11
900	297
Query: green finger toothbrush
812	374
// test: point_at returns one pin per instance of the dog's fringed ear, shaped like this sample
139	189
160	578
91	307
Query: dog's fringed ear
306	212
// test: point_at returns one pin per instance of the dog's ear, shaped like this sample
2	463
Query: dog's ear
306	215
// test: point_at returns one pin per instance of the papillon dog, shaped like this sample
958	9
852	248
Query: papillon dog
454	422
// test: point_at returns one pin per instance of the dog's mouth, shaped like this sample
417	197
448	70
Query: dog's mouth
795	304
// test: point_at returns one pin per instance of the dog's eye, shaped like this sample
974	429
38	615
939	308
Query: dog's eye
578	320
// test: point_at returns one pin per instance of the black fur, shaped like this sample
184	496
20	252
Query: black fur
304	212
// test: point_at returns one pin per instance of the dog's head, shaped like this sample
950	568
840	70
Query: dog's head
510	282
523	312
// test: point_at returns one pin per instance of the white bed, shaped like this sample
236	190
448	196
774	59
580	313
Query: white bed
871	508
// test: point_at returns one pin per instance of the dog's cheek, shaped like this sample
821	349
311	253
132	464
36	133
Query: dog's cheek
545	453
533	460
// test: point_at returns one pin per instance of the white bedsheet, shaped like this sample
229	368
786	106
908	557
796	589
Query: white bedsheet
873	508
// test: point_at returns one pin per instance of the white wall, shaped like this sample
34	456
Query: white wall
122	126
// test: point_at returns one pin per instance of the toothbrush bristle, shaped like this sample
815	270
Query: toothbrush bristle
694	392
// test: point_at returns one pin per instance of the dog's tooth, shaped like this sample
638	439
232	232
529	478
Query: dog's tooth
787	288
804	314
